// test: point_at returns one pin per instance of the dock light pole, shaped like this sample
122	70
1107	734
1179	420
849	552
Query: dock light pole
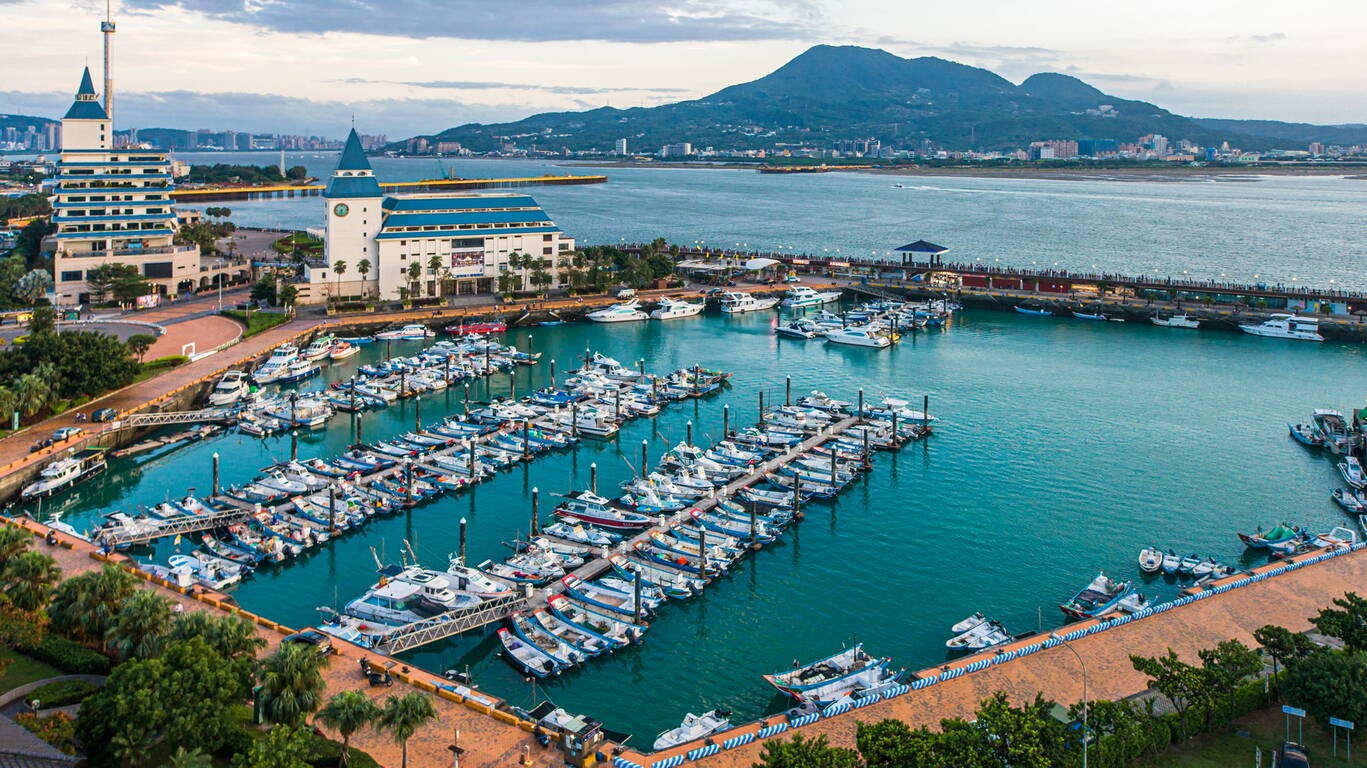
470	446
526	440
358	429
448	368
761	408
215	493
530	346
467	398
726	421
574	419
417	413
925	411
593	477
636	594
797	497
552	373
641	366
294	445
408	482
463	526
536	517
1083	664
617	405
689	427
859	414
787	390
645	454
332	508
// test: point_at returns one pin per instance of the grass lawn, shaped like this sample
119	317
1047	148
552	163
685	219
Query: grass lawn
258	322
23	670
1264	729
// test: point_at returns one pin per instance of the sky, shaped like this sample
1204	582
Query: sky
406	67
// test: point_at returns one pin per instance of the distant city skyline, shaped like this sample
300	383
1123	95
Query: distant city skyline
304	66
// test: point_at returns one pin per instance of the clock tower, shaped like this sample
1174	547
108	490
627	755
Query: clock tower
354	210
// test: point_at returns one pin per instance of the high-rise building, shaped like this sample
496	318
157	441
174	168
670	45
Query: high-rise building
621	148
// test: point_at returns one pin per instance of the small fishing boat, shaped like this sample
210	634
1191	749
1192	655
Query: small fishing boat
982	636
1337	538
527	656
804	677
1175	321
1307	435
1352	472
801	328
1150	560
1097	598
1170	562
481	328
1090	315
1036	311
975	620
341	350
694	727
230	388
1353	502
64	473
1278	535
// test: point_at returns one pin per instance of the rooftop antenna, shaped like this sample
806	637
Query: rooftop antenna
107	29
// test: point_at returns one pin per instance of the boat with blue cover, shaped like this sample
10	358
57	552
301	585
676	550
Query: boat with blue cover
1100	596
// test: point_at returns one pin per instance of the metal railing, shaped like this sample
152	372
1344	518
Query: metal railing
162	419
450	623
148	530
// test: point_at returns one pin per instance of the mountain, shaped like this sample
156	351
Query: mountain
846	92
1347	134
21	123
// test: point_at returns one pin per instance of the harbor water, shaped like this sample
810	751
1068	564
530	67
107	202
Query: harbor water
1064	447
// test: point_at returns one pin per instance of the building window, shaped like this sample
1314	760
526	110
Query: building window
72	276
547	250
546	238
157	269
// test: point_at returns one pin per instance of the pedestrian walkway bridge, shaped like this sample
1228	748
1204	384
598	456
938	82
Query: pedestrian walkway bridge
142	531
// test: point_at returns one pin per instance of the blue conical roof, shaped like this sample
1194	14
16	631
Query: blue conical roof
353	156
86	106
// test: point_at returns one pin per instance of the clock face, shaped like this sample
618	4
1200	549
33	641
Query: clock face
340	209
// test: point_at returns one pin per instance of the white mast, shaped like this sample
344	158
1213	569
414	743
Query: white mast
107	27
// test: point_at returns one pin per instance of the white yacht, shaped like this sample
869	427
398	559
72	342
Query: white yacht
229	389
395	603
736	302
858	336
672	308
802	296
1285	326
276	365
1176	321
407	332
64	473
319	348
626	312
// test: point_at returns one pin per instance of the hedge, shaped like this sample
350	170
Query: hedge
62	693
69	656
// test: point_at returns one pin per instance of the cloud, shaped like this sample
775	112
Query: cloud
1274	37
631	21
270	113
480	85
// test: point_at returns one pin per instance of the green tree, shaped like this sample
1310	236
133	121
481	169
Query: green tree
402	716
1330	685
232	637
363	269
1284	646
288	293
282	746
891	744
414	273
541	276
297	172
26	581
1348	622
85	605
122	281
264	290
292	683
192	758
434	269
42	320
806	753
73	363
1181	683
346	713
33	286
140	627
338	269
30	244
1225	667
139	343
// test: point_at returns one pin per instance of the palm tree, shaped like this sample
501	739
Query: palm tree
28	578
363	269
433	269
86	605
31	393
338	269
404	716
292	683
346	713
191	759
141	626
13	540
414	274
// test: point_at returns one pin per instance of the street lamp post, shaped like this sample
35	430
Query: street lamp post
1083	664
218	278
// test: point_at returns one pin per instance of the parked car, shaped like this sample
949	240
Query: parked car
321	642
104	414
627	293
66	433
1293	755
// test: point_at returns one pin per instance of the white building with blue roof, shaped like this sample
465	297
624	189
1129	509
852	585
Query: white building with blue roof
470	236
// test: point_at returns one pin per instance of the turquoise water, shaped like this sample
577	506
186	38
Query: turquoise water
1272	229
1064	447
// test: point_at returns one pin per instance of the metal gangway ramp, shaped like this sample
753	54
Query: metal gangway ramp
450	623
147	530
161	419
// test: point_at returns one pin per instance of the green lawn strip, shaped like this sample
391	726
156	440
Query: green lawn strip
1264	729
258	322
23	670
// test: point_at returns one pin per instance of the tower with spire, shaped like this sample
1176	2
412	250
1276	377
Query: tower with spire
86	125
107	29
354	209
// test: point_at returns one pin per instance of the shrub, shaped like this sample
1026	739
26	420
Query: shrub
58	730
62	693
69	656
326	753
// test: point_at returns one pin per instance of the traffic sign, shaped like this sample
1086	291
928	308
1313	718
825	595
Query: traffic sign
1341	723
1293	711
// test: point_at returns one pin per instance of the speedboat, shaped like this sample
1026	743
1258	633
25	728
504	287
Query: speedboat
626	312
670	309
229	389
319	348
975	620
1150	560
1036	311
737	302
1097	598
984	635
1307	435
694	727
1283	326
1351	470
859	336
801	328
341	350
802	296
1175	321
407	332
